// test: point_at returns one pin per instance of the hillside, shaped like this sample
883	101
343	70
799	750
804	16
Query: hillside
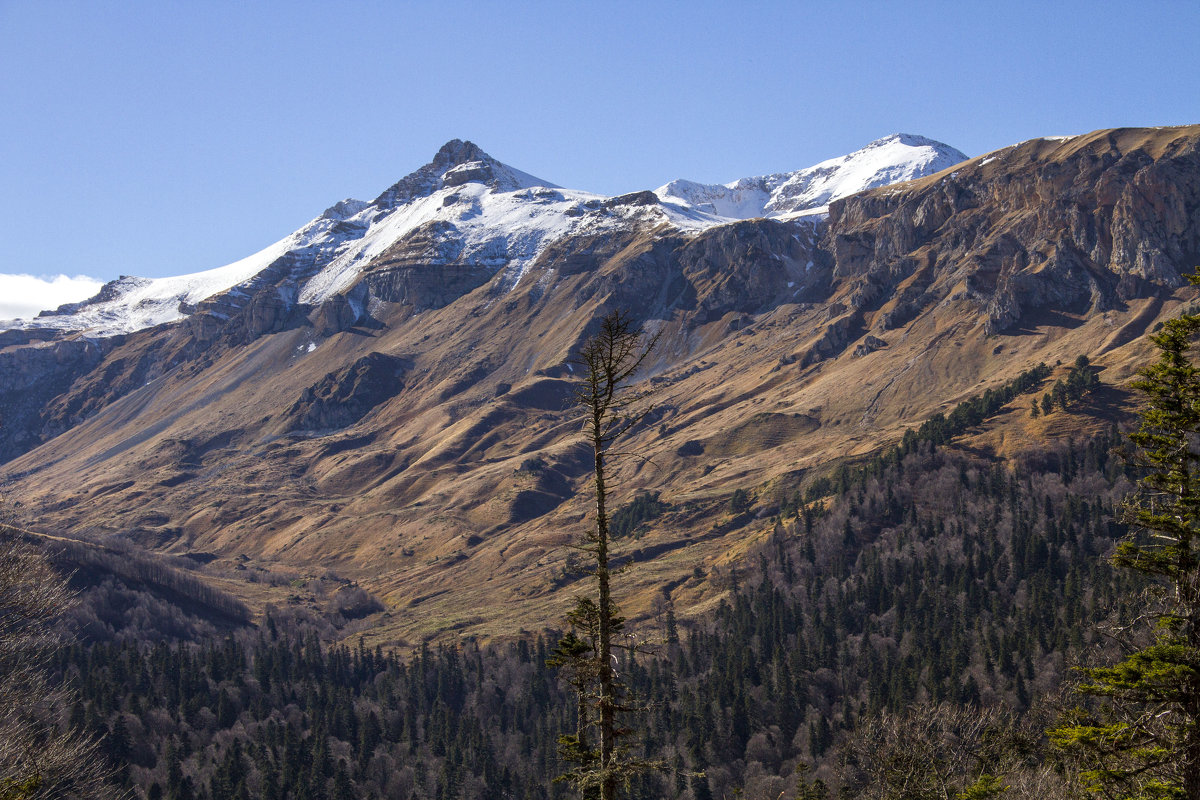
398	409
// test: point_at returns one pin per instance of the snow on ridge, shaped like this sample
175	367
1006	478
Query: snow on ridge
894	158
496	228
484	212
741	199
130	304
504	215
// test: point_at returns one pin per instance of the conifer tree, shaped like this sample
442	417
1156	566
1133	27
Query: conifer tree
1142	737
612	408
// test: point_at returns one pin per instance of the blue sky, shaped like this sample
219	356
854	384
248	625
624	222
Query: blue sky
157	138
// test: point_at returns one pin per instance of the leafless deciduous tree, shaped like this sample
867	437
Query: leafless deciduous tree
948	752
39	757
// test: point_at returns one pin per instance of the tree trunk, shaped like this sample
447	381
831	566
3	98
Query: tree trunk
607	717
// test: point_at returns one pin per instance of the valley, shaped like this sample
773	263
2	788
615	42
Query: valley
326	500
386	430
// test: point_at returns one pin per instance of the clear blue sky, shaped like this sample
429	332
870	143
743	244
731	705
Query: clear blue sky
155	138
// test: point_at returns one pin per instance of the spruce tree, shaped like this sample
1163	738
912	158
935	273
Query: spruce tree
1141	737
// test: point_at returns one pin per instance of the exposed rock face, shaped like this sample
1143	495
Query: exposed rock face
832	340
1080	224
426	269
751	266
869	344
31	378
644	198
340	312
19	337
456	163
344	397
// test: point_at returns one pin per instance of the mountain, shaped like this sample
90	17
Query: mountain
892	159
389	395
472	209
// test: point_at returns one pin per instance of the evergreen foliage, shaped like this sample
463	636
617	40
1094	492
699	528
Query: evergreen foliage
629	518
944	580
1081	379
1141	739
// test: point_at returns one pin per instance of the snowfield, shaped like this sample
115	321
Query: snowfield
787	195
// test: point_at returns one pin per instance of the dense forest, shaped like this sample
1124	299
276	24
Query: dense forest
937	597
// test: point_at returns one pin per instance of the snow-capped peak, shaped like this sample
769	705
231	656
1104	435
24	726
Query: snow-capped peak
456	163
490	215
479	212
502	215
894	158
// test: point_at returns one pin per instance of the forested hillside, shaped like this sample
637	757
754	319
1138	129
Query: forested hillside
868	516
939	579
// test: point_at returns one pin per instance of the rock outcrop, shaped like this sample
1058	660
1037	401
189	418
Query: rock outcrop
1082	223
752	266
344	397
33	374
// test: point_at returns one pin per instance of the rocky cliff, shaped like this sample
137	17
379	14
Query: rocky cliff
1084	224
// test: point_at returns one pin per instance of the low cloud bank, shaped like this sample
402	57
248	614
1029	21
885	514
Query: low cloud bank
23	296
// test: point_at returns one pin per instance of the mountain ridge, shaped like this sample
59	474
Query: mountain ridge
890	159
414	430
130	304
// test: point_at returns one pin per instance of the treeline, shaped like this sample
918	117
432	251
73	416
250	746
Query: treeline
937	430
1081	379
943	581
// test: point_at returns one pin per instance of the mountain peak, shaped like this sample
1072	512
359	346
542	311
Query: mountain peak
910	139
916	141
456	152
456	162
893	158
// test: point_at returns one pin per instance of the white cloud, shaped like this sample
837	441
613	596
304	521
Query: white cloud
26	295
